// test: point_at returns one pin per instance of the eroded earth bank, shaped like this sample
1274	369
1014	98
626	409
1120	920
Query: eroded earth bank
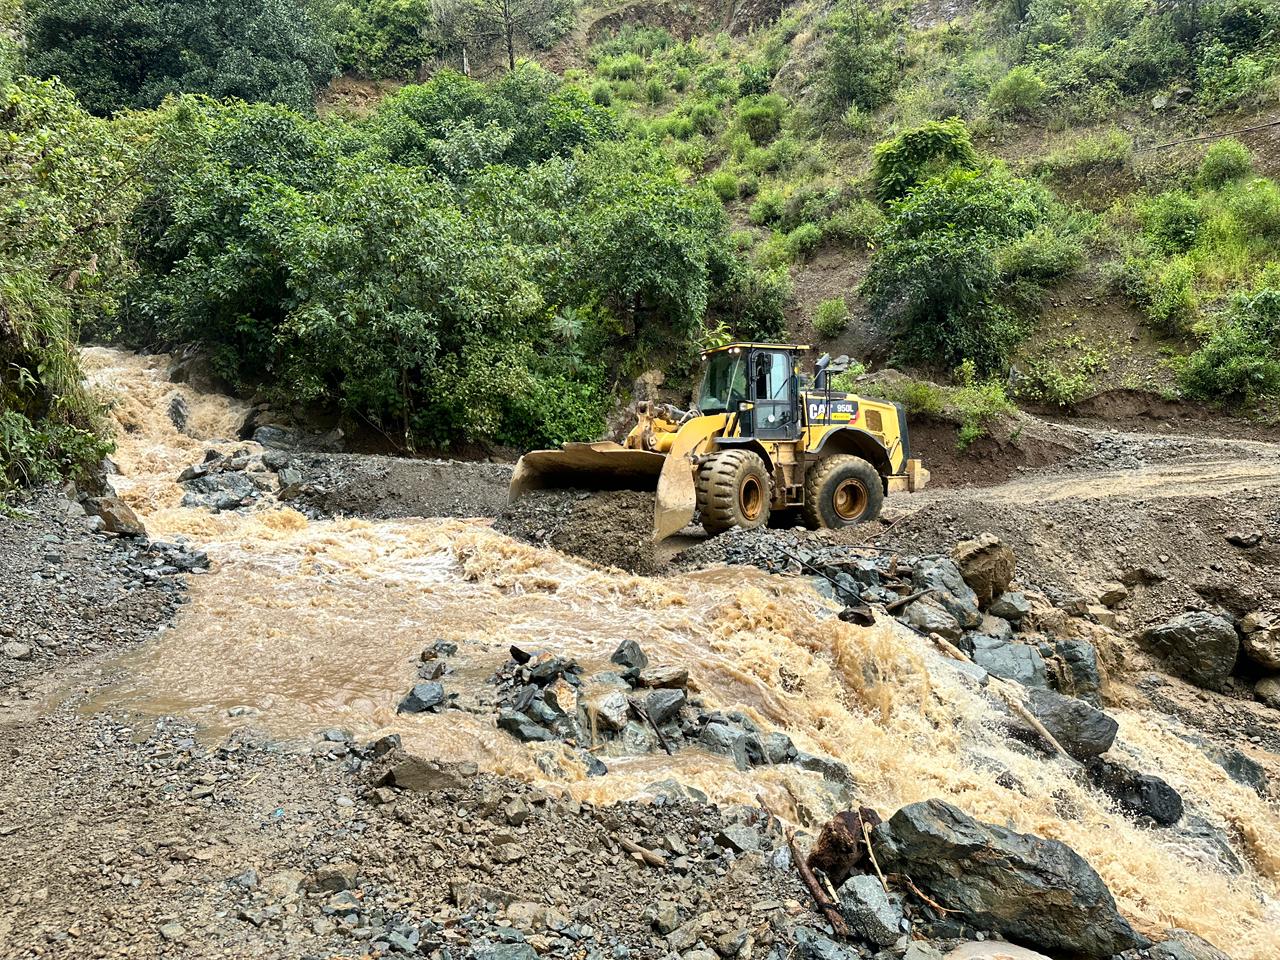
282	703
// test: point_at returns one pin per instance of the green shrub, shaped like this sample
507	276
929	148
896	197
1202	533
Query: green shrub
977	402
1018	92
1241	359
704	116
1043	254
1094	153
804	240
1256	209
1171	297
748	185
760	118
755	80
898	165
1224	77
1225	161
936	273
831	317
1171	221
857	223
856	120
858	67
629	66
655	91
628	90
768	207
724	185
602	93
1061	382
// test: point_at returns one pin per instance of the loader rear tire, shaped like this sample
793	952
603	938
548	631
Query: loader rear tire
733	491
841	491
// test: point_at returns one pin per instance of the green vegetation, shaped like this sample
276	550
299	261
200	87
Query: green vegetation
490	261
831	317
136	52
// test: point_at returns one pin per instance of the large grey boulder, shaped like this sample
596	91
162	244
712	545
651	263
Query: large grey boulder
943	577
1009	660
1197	646
1026	888
1082	730
1074	668
929	616
872	914
1261	633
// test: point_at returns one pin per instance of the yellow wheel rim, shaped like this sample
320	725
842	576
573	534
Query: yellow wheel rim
850	500
751	498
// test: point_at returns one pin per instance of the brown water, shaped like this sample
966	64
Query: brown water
315	624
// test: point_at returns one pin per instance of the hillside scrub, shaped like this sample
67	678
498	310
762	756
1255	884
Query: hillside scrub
64	194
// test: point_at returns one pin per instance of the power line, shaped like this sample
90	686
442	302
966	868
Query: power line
1210	136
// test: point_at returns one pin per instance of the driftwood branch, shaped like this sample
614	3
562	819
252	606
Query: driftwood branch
829	909
866	839
648	856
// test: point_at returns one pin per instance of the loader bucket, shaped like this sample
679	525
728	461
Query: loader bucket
586	466
611	466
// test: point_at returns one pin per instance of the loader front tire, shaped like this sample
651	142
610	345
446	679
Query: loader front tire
841	491
733	491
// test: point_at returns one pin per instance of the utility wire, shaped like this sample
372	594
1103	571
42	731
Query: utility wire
1209	136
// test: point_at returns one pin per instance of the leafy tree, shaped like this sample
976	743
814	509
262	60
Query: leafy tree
938	275
133	53
859	61
384	38
65	188
535	22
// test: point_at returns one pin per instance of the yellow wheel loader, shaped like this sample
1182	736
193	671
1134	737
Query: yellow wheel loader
757	441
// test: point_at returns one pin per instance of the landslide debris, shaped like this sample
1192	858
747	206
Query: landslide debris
612	528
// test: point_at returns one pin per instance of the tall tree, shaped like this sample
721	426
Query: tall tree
536	22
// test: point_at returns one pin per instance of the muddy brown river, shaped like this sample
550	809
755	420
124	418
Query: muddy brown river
302	625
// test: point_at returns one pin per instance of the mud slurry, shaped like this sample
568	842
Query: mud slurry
304	625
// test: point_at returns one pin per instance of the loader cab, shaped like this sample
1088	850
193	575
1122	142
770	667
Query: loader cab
759	383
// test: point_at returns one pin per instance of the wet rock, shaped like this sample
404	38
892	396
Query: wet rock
225	490
986	564
1009	660
612	710
872	914
1208	843
1260	634
1074	669
1268	691
1082	730
422	698
1022	886
179	412
1184	945
664	677
1011	606
1197	646
778	748
728	740
993	626
116	515
1140	794
522	728
826	767
841	845
950	590
1239	767
663	705
281	438
631	658
930	616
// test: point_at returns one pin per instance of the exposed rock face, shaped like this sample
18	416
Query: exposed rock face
1074	670
1083	731
117	516
1268	691
986	565
929	616
1025	887
1198	646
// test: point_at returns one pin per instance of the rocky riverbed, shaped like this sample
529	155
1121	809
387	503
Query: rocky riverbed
267	708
